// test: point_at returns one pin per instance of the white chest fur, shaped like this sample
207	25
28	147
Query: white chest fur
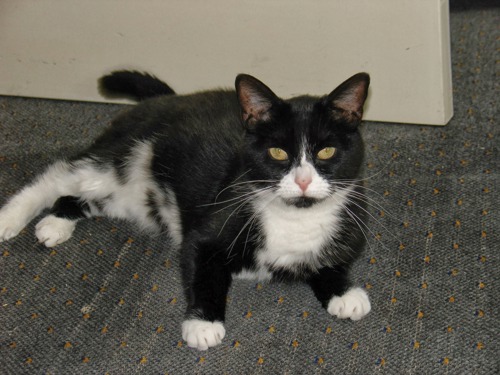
297	235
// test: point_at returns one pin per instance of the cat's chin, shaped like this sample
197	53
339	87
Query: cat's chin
301	202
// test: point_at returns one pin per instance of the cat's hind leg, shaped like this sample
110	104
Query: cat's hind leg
58	180
58	226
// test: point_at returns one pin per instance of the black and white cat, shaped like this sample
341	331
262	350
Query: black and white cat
246	184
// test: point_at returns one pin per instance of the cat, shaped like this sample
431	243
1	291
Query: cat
247	185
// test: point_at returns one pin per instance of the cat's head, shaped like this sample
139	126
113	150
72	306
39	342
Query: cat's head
305	148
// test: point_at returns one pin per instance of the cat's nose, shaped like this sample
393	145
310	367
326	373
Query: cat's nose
303	177
303	182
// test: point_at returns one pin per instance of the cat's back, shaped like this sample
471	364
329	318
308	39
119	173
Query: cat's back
175	123
203	112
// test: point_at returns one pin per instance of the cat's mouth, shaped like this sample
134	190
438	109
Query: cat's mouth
301	202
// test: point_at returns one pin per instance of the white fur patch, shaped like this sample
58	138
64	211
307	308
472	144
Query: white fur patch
297	235
52	230
129	200
261	275
354	304
122	200
171	216
202	334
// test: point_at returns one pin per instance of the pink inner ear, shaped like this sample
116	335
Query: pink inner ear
352	100
256	99
347	106
254	106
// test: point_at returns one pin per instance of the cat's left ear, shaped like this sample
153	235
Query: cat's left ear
345	103
256	100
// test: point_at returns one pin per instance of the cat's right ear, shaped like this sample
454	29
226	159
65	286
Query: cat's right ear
256	100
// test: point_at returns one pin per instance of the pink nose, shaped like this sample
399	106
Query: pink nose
303	182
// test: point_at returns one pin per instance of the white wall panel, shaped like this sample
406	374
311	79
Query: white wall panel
58	48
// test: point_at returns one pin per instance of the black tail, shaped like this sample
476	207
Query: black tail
132	84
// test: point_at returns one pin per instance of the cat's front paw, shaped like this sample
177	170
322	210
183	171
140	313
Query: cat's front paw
202	334
52	230
353	304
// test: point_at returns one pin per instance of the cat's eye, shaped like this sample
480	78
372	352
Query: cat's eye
327	153
278	154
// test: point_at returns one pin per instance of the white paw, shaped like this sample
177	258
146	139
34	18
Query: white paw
353	304
11	223
202	334
9	229
52	230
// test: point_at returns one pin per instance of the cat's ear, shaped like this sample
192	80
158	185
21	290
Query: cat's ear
345	103
256	100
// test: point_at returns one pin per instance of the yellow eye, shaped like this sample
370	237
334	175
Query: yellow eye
327	153
278	154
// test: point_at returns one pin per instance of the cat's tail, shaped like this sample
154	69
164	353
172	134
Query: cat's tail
133	85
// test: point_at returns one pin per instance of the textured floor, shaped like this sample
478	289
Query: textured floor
109	300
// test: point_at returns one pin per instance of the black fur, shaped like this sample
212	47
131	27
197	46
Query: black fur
136	85
71	208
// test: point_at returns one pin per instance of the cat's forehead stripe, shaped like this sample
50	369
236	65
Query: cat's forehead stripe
304	149
301	157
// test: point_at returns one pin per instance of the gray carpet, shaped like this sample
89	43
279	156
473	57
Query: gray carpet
109	300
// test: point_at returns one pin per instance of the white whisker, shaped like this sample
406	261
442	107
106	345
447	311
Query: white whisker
242	183
240	204
239	199
226	201
250	222
376	220
368	200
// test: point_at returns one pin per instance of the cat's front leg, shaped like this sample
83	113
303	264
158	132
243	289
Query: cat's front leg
332	288
207	279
